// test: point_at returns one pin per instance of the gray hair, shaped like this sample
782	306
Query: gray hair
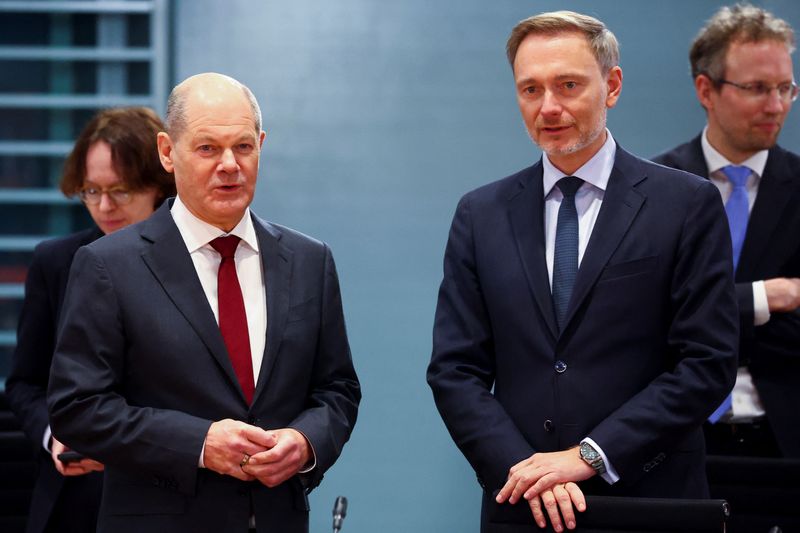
603	43
742	23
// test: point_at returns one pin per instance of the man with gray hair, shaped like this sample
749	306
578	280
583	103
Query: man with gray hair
743	76
586	321
202	354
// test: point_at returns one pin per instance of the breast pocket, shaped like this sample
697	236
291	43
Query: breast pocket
628	269
308	311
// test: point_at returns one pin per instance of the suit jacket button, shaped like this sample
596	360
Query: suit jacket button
560	367
549	426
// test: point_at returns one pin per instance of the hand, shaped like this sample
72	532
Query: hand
559	498
227	443
543	471
783	294
274	466
74	468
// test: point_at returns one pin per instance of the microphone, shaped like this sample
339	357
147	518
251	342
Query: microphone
339	512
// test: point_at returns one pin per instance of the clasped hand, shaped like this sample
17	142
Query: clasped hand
274	455
548	482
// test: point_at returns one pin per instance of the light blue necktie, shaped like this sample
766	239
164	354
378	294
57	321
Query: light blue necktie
737	207
738	210
565	258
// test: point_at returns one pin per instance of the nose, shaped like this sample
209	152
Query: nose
228	161
106	203
774	103
550	103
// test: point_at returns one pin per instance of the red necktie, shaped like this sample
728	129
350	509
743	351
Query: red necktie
232	316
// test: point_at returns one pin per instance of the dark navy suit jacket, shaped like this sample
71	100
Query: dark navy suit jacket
26	388
141	371
647	353
771	249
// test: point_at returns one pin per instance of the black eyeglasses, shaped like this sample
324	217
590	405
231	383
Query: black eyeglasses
758	90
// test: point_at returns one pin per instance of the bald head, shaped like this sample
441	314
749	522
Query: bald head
209	87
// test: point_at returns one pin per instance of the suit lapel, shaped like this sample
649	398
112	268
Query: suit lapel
276	262
621	203
170	263
772	199
695	161
526	212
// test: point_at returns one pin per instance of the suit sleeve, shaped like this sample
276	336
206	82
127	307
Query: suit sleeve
462	368
26	387
664	159
702	340
334	393
87	408
744	298
781	334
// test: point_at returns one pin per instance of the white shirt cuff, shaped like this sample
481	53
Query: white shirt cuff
610	475
48	434
200	462
313	456
760	304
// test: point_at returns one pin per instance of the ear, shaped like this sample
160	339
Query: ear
704	88
165	151
614	86
261	139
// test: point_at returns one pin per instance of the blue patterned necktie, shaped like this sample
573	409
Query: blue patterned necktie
737	207
738	211
565	258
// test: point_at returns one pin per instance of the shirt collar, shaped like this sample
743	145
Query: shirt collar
596	170
197	233
715	160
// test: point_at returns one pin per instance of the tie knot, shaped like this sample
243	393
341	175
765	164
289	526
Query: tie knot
226	246
569	185
736	174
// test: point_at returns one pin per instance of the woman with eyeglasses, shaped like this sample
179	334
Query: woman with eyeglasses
115	170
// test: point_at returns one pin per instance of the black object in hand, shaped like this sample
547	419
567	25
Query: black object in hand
70	457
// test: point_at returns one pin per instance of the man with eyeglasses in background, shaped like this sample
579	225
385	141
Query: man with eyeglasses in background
742	68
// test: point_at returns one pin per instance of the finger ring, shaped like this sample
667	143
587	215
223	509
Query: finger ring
244	461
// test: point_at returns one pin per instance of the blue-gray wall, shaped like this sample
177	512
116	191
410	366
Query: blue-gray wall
379	116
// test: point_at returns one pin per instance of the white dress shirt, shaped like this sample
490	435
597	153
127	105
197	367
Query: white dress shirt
715	162
746	404
197	234
588	200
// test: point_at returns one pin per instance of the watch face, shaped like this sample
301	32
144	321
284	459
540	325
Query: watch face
588	453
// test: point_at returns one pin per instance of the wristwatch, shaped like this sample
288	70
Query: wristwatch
592	458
